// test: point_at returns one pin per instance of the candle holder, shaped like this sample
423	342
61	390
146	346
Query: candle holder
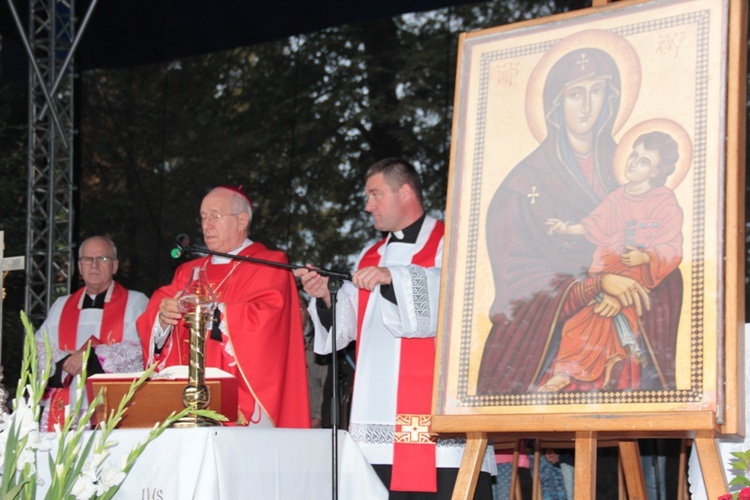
197	303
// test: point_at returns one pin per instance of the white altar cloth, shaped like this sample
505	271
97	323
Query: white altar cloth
226	463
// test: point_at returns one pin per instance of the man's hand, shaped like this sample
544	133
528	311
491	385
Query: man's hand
627	290
314	284
74	362
169	311
370	277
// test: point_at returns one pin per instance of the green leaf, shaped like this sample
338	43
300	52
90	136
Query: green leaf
739	481
15	491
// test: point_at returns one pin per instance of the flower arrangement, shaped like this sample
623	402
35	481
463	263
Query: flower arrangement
78	469
740	467
743	494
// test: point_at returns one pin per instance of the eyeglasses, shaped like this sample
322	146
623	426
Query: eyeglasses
102	259
213	218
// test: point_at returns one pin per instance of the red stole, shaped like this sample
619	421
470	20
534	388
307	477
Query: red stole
110	332
111	329
414	466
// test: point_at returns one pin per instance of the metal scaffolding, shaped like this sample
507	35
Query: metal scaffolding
50	42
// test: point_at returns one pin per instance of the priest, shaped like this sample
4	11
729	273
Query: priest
256	334
390	309
101	315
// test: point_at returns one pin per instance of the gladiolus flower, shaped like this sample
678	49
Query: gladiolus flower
84	488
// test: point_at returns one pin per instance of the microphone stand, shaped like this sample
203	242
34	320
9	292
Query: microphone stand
190	249
334	284
333	287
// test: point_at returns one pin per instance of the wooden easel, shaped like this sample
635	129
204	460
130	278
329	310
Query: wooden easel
605	427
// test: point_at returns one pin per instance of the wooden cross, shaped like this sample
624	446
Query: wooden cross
7	264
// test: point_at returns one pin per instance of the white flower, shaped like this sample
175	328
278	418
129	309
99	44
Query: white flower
84	488
40	441
110	477
85	485
24	418
30	390
27	457
98	441
3	441
89	469
99	458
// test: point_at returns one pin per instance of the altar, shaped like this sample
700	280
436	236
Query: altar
225	463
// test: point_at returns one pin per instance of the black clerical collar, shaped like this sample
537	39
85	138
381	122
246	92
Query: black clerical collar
408	234
96	303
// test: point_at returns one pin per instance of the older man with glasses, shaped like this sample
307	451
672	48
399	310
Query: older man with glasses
102	314
256	334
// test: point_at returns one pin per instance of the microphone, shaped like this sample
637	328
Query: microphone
183	242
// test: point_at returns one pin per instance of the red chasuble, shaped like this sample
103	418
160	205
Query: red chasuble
414	466
261	335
